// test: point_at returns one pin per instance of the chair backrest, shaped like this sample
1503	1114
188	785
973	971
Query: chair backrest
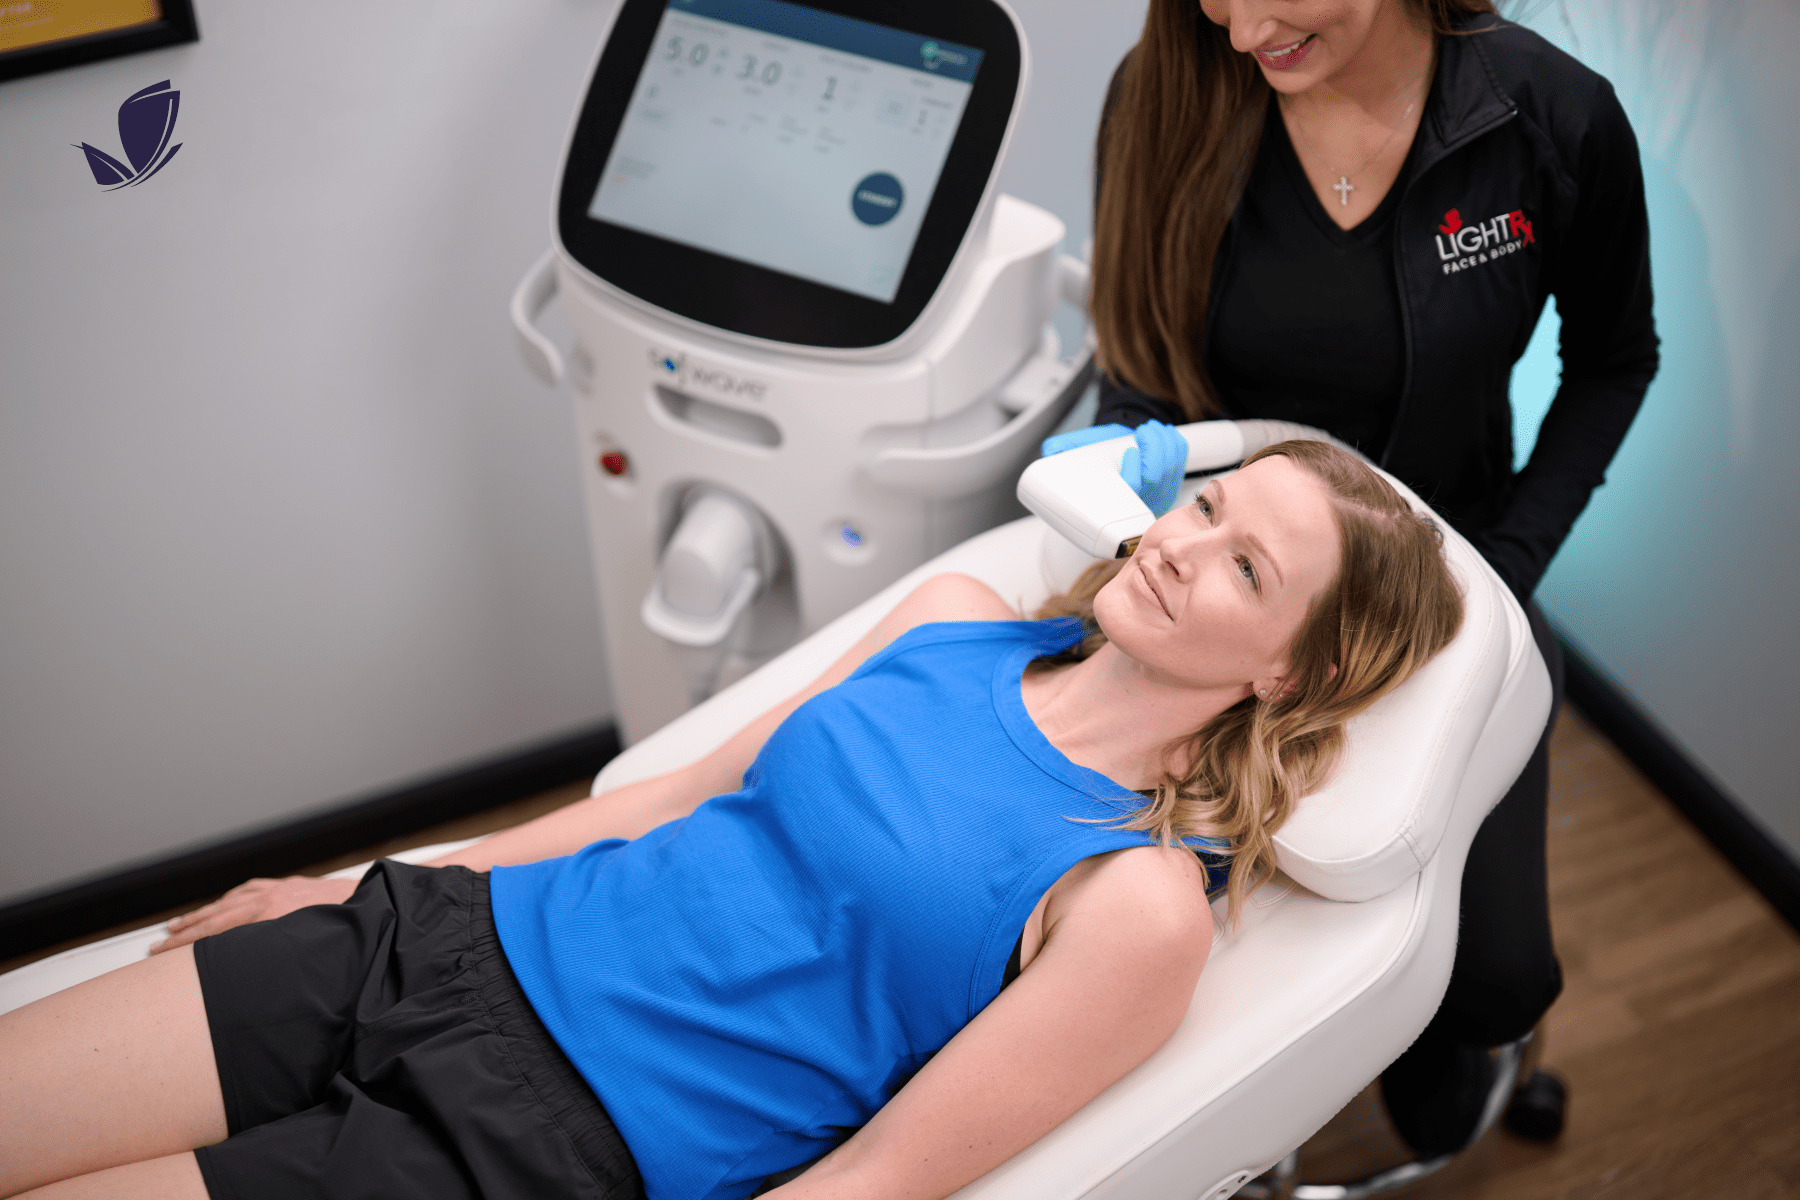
1382	814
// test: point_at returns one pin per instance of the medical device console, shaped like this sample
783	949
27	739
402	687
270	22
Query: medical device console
813	341
800	173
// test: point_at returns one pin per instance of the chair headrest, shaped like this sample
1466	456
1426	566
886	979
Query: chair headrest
1383	813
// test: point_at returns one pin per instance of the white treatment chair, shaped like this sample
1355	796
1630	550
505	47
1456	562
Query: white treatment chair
1338	963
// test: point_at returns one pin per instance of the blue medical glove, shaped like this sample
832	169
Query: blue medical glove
1155	467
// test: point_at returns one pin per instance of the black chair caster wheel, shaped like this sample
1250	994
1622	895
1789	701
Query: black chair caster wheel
1538	1108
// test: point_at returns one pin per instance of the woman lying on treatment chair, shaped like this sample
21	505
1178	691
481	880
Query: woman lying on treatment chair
825	949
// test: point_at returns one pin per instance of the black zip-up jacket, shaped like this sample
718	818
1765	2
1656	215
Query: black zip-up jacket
1524	184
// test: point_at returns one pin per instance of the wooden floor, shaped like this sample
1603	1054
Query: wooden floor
1678	1028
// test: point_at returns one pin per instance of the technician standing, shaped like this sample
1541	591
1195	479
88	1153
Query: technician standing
1349	214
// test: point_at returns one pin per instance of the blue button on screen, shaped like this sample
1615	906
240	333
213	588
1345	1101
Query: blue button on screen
877	199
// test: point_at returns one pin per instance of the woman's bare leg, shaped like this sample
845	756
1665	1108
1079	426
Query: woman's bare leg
175	1177
113	1071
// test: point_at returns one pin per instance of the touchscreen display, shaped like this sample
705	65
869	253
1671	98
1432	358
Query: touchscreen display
798	140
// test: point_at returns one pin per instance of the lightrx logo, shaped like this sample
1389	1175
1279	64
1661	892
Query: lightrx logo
146	123
1461	246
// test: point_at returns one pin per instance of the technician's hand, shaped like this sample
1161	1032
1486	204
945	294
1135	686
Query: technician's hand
1153	468
257	900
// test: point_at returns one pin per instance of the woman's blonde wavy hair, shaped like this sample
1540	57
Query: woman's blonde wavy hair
1392	607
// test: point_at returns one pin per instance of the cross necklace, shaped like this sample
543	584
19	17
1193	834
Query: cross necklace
1343	187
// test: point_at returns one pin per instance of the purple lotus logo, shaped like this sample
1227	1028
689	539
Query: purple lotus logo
146	123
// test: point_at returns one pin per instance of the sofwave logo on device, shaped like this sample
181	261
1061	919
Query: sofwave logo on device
698	374
146	123
933	54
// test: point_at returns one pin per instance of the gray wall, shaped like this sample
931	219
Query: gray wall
1075	44
282	520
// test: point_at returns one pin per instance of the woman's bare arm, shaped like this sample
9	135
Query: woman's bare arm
1122	953
625	812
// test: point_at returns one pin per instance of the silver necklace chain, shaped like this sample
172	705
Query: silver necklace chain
1343	187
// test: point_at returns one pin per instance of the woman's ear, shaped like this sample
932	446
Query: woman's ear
1278	687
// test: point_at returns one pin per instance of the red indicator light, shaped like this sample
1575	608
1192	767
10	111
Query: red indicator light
614	462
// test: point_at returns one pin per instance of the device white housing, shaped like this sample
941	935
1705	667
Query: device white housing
795	481
856	466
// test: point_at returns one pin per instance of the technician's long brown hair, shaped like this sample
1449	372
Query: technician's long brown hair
1177	140
1392	607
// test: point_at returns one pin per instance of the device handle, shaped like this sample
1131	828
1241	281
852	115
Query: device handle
1079	493
535	291
686	630
972	466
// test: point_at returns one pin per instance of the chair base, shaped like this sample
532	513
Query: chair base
1539	1109
1282	1181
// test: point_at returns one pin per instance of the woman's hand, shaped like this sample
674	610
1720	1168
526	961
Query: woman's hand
257	900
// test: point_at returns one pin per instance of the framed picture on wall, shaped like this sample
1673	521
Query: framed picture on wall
47	35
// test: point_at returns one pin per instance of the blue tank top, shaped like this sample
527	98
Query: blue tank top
746	986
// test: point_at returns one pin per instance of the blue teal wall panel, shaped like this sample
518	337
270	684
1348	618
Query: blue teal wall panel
1680	580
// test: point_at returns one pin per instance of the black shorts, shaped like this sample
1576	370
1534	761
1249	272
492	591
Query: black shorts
383	1048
